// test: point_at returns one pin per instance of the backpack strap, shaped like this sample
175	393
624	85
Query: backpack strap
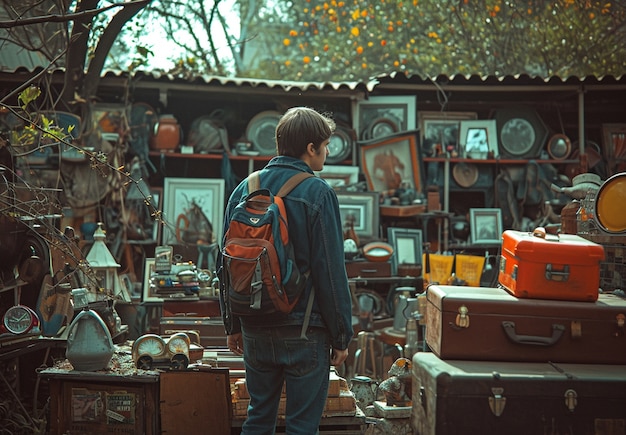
307	314
254	182
293	182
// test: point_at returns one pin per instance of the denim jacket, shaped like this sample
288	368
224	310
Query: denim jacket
315	230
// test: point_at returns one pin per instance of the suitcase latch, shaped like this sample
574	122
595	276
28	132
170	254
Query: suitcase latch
557	275
571	399
576	329
497	401
462	319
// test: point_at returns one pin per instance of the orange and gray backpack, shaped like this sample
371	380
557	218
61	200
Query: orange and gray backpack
260	275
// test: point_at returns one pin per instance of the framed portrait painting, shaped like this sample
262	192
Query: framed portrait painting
392	163
193	210
486	226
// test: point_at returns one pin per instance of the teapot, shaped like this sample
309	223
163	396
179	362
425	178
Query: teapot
364	389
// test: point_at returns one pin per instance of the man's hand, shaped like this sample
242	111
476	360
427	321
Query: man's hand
235	343
337	357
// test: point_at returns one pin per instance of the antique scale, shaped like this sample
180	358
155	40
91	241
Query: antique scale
151	351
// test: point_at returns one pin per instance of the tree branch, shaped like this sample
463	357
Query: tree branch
68	17
92	78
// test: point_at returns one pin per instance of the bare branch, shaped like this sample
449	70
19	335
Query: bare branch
67	17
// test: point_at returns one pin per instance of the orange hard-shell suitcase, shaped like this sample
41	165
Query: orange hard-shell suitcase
550	266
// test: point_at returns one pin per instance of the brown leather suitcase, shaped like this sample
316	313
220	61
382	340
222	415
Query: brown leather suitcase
486	397
481	323
550	266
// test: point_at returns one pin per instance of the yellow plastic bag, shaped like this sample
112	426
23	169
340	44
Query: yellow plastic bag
469	268
440	268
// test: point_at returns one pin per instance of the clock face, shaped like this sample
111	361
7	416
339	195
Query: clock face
178	343
19	319
150	345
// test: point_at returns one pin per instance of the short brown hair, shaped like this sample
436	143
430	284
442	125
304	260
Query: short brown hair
300	126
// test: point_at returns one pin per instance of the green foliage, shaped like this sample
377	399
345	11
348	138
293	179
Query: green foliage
356	40
39	125
29	95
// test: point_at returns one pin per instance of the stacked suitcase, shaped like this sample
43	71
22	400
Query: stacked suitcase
543	354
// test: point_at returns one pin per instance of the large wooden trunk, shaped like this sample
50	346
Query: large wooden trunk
486	397
482	323
545	266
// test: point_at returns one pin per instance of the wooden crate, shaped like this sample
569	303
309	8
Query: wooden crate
91	403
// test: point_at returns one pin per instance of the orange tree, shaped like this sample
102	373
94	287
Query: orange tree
356	40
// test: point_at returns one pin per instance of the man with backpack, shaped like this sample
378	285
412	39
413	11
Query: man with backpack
296	347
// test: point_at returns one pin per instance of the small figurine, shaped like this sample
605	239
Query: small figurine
397	388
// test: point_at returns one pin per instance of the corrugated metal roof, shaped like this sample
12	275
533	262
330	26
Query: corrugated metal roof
395	78
287	86
383	81
509	80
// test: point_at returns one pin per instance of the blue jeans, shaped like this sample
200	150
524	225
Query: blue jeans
276	355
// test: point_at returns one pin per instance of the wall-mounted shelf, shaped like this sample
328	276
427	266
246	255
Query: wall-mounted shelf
499	161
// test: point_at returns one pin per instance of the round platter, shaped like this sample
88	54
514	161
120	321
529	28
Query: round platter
465	174
261	131
340	146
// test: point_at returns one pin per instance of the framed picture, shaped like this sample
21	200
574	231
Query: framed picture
486	226
339	177
156	204
407	246
384	116
441	128
193	210
392	163
148	294
614	144
108	119
477	138
363	209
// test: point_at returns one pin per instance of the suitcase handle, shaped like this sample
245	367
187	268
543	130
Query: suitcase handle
533	340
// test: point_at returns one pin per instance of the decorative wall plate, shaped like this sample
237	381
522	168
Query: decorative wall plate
340	145
465	174
521	132
381	127
261	131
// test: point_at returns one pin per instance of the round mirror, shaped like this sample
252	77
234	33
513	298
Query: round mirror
559	147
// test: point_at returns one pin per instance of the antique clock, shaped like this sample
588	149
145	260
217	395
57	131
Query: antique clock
20	319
